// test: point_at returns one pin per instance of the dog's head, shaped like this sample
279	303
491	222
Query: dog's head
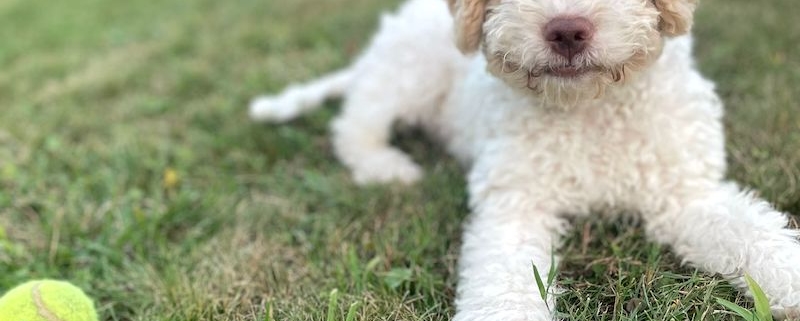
568	50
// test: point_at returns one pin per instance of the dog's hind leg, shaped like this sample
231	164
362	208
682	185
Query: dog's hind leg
361	135
726	231
300	98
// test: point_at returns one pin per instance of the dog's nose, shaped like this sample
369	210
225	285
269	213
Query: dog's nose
568	36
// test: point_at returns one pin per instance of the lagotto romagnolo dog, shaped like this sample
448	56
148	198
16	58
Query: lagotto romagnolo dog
555	107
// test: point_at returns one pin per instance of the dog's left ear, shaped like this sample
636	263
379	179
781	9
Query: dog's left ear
469	16
676	16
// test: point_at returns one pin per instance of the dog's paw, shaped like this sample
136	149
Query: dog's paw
273	109
385	167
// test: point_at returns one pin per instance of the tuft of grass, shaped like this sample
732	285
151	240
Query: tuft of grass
544	287
762	311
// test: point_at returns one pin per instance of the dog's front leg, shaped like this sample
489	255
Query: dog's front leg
506	235
724	230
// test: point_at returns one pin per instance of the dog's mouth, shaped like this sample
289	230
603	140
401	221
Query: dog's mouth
568	71
564	74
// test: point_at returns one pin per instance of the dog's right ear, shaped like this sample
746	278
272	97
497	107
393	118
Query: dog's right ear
676	16
469	16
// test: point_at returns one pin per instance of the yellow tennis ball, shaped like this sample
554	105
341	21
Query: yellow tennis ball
46	300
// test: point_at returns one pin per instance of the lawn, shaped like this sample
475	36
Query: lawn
128	166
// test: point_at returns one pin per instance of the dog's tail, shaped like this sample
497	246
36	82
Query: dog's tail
300	98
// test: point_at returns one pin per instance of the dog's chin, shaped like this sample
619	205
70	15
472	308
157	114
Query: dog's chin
566	87
562	86
567	73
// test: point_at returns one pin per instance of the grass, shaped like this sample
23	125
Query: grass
762	307
103	100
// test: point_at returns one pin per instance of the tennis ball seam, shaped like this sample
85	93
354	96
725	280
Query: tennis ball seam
41	308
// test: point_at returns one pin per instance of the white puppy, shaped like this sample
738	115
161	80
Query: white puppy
573	107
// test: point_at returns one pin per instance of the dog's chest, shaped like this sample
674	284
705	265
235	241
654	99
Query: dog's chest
611	141
611	154
645	138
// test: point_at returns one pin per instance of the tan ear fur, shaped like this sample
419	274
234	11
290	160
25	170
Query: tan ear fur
676	16
469	15
452	5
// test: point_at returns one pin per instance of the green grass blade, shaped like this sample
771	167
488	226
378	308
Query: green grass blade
761	302
551	276
333	305
539	283
268	316
351	312
744	313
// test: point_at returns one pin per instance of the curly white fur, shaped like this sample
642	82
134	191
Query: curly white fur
639	130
